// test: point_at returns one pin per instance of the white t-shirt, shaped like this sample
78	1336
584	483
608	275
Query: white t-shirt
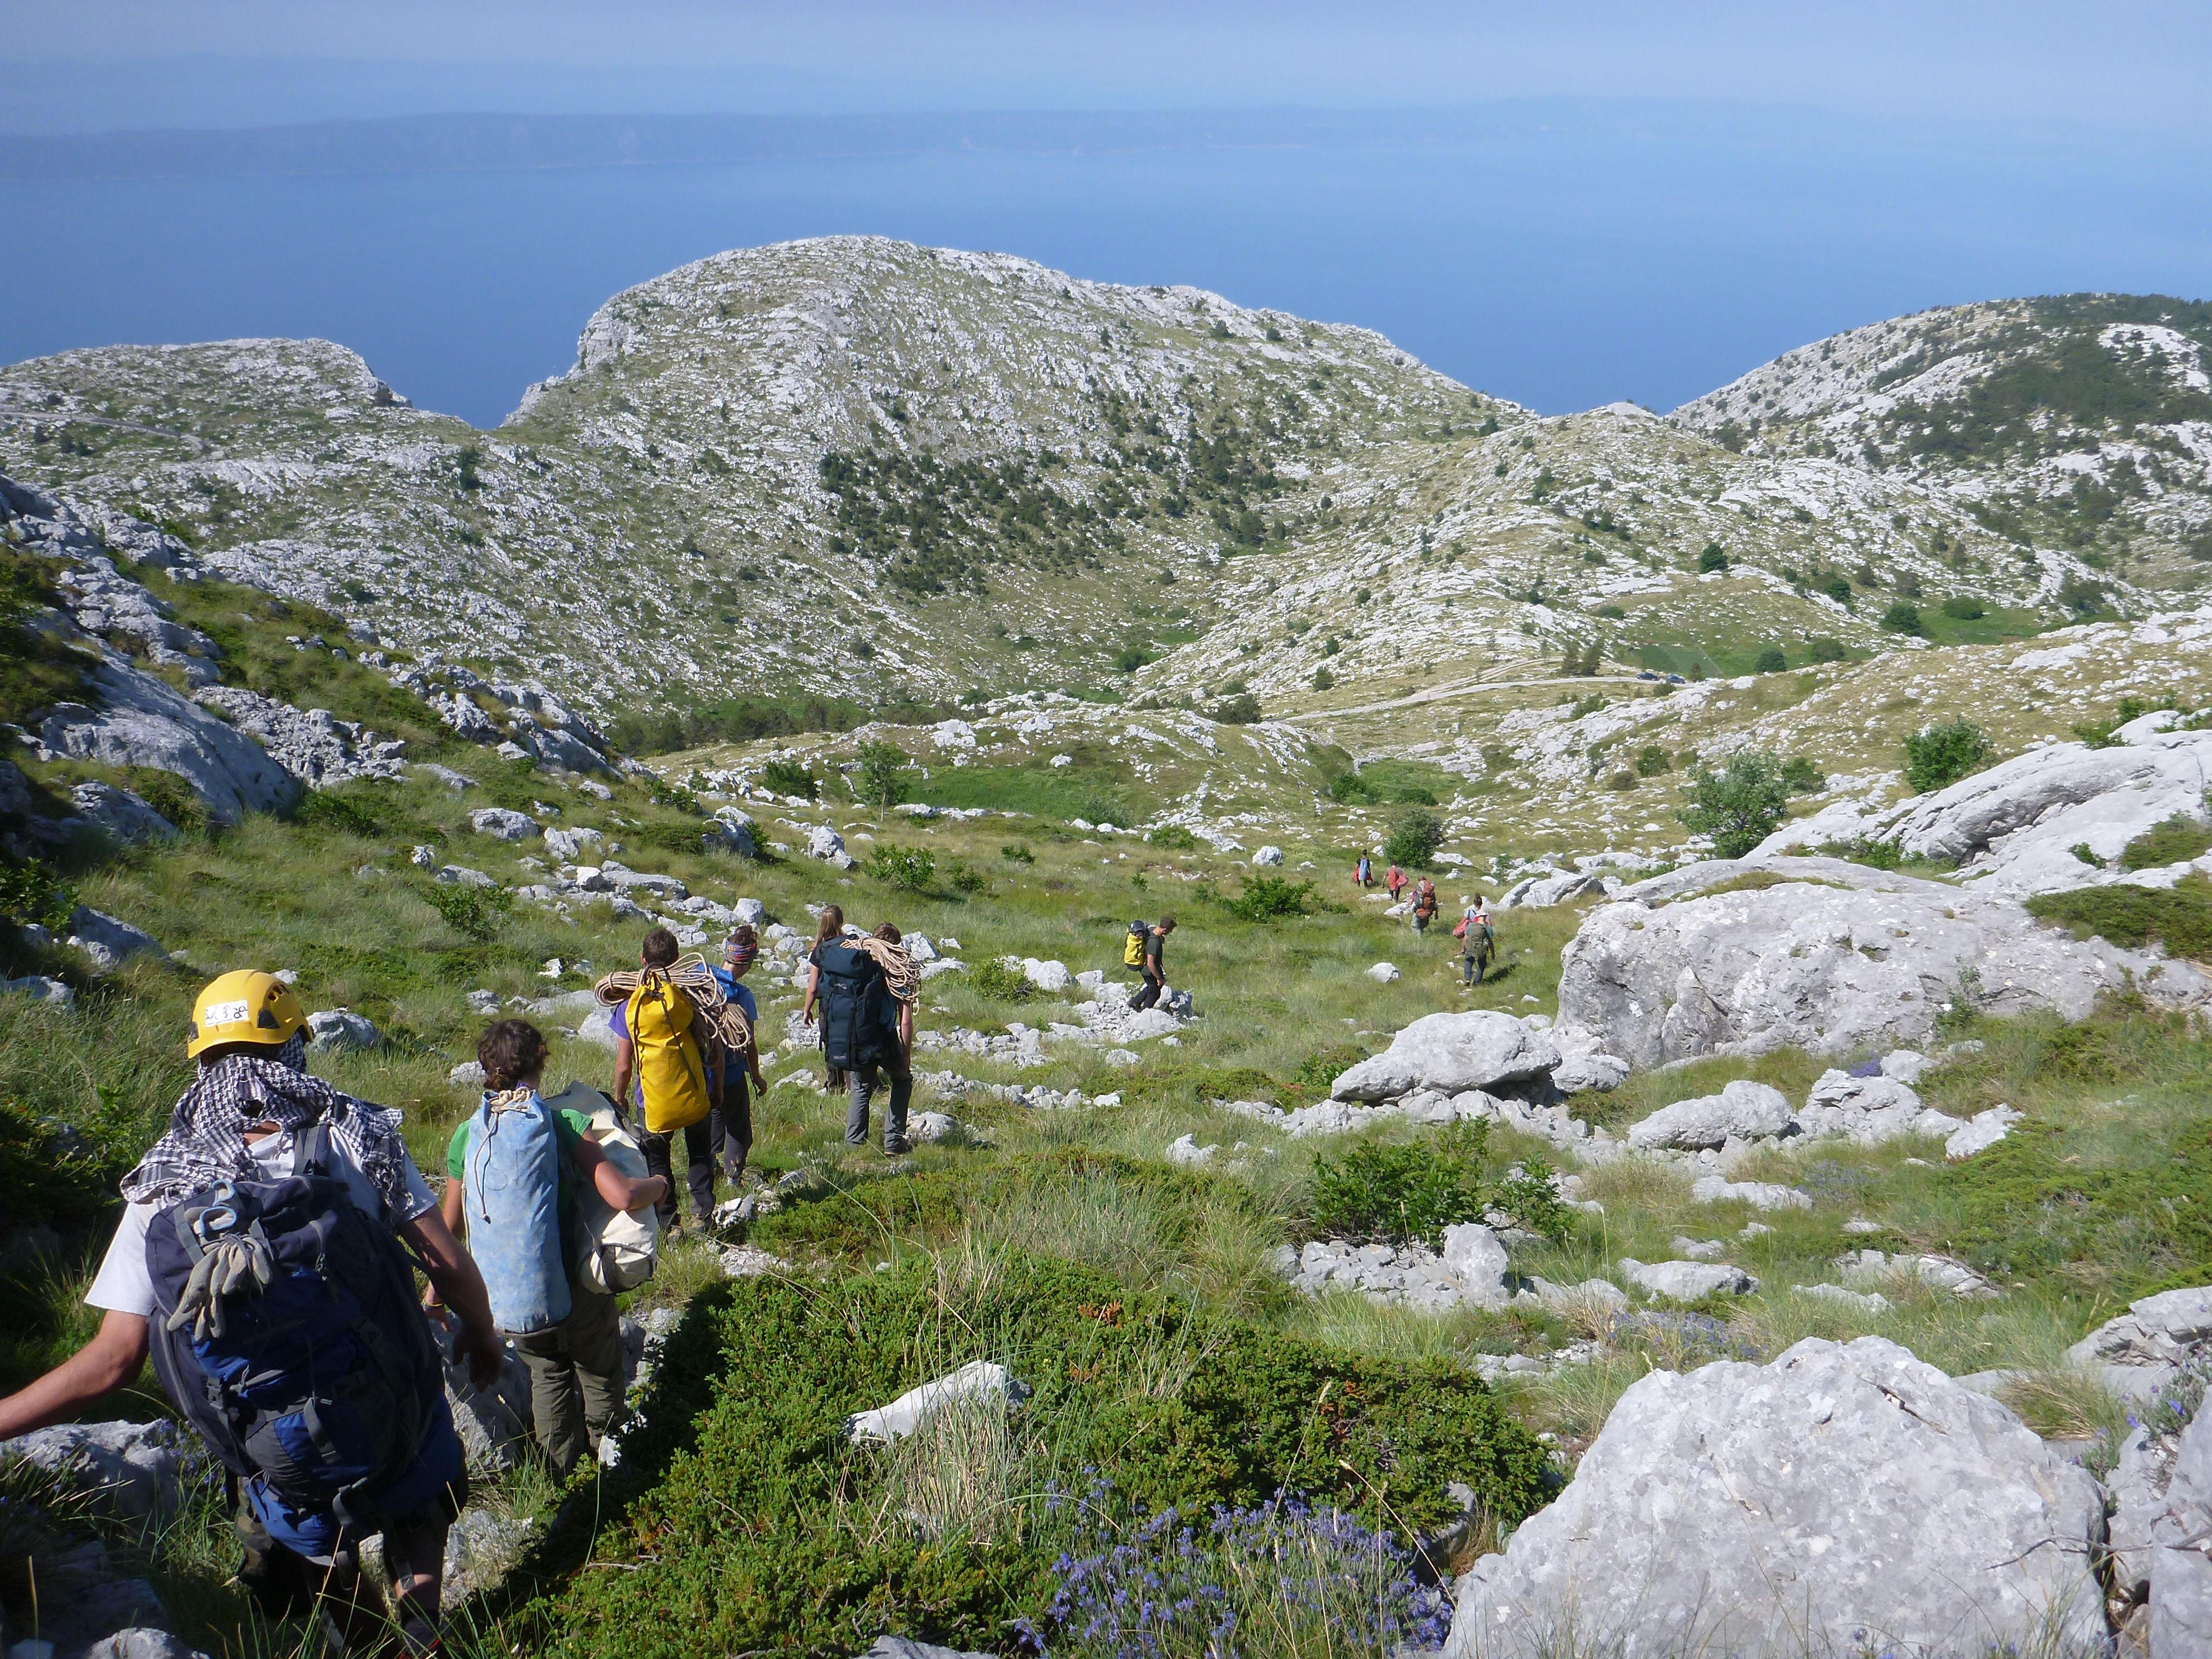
122	1286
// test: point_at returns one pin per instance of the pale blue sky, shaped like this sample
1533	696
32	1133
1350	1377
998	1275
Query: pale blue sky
143	62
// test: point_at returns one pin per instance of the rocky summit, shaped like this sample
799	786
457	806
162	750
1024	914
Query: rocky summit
1735	1180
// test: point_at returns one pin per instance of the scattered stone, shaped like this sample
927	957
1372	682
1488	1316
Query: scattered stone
1045	976
1591	1073
482	1001
1981	1131
905	1647
1384	973
456	781
825	843
1941	1273
120	814
1866	1301
1592	1298
1185	1148
1759	1195
2141	1353
1866	1110
331	1031
134	1470
313	746
1686	1281
104	941
502	825
2180	1570
40	988
460	875
1470	1271
1743	1110
1698	1249
1448	1053
468	1074
570	844
750	1261
1895	1510
979	1378
1268	855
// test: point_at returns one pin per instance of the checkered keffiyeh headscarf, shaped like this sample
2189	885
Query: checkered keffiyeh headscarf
206	1139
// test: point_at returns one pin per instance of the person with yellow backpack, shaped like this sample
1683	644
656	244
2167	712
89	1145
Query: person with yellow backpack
662	1047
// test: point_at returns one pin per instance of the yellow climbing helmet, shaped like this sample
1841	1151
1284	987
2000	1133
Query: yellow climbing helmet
244	1006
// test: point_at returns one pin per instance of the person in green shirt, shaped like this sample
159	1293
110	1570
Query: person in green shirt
576	1367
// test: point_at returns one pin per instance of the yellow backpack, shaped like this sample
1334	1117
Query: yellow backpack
1133	948
659	1018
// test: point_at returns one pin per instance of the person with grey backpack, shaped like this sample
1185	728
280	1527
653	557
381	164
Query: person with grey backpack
514	1170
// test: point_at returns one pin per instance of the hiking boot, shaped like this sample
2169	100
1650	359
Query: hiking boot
897	1148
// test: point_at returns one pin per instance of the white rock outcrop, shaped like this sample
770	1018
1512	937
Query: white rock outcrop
106	941
2141	1353
1686	1281
502	823
1742	1111
312	745
1449	1053
120	814
1824	955
139	719
1845	1498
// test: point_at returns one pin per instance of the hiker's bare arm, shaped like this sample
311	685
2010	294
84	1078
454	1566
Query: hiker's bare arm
104	1364
625	1062
461	1288
710	1064
449	1206
906	1028
622	1191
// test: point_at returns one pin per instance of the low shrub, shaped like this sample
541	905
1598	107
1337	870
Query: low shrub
1771	661
1242	710
1350	789
2174	841
1016	852
472	912
790	777
994	979
910	869
1963	607
1936	756
1652	761
1411	1192
964	877
1173	836
762	1527
1903	617
1803	775
1264	898
2180	917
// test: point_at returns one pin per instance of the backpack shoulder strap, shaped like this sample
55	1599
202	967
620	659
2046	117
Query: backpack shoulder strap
311	1149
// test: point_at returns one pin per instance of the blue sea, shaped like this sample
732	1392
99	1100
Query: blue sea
1564	258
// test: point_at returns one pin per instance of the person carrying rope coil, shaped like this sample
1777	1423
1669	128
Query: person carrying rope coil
674	1033
864	988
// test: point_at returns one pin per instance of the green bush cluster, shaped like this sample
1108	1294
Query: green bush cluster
910	869
884	774
1940	755
2173	841
1415	839
790	777
2178	917
992	978
1173	836
1264	898
474	913
1740	804
1411	1192
1182	1408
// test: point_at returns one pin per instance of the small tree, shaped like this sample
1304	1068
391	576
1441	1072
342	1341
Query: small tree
883	776
1740	804
789	777
1415	838
1963	607
1903	618
1771	661
1936	756
1712	556
1322	679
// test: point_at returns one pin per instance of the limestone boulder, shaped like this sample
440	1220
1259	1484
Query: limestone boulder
135	1470
2180	1568
106	941
2141	1353
331	1031
1451	1053
137	718
1824	955
1742	1110
1867	1110
572	845
312	744
1551	887
1592	1073
1686	1281
1268	858
120	814
502	824
1844	1498
825	843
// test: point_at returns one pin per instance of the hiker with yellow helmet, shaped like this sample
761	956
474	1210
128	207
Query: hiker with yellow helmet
262	1237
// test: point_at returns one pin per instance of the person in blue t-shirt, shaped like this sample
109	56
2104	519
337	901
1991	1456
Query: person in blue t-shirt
730	1125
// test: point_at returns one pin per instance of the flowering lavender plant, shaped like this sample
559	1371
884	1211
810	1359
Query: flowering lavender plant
1282	1579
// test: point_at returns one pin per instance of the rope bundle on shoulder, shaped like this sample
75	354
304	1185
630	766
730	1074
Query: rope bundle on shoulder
691	976
902	973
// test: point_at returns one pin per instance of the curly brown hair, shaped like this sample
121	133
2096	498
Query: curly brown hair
511	1051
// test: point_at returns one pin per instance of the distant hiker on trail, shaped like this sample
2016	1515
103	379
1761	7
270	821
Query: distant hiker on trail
1362	876
729	1126
512	1170
865	988
1424	906
1477	942
1154	964
661	1042
1395	880
831	925
261	1243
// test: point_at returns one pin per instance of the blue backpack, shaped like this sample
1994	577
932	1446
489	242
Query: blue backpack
512	1189
859	1020
287	1331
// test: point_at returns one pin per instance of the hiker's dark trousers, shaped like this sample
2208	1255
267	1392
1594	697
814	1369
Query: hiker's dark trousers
730	1125
1149	995
698	1171
865	1077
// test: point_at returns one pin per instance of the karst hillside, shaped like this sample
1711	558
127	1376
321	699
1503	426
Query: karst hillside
1817	1157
